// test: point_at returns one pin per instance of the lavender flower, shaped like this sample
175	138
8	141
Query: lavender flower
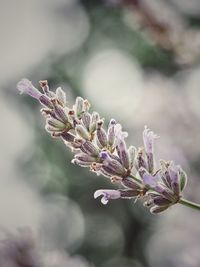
104	151
107	195
148	139
25	86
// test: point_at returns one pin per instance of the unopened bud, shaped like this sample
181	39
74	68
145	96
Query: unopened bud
82	132
90	149
93	125
132	151
111	132
79	106
56	123
183	179
101	135
86	119
85	157
68	137
60	113
123	153
158	209
128	194
61	96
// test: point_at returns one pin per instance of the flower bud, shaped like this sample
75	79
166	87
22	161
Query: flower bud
77	143
56	123
61	96
82	132
101	135
86	119
130	183
45	100
52	129
90	149
68	137
44	86
111	132
85	158
131	152
106	171
86	105
128	194
93	125
140	160
79	106
183	178
123	153
81	163
60	113
115	167
167	193
158	209
161	201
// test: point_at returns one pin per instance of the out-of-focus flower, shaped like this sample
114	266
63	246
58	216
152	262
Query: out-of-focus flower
23	250
19	250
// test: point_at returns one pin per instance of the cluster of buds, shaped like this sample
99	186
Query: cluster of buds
105	151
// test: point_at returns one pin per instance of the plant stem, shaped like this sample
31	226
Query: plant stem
189	204
136	179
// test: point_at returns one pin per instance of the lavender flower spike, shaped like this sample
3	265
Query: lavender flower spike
26	86
104	150
107	195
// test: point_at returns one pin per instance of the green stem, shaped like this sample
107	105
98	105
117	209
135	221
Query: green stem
136	179
189	204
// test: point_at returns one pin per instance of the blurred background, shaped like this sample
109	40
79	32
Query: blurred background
134	60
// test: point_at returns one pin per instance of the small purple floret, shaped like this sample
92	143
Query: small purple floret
26	86
107	195
104	155
148	138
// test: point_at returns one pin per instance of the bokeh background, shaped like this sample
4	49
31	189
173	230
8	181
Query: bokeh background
134	60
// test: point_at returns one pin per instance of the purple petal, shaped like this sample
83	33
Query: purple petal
119	134
26	86
148	138
107	195
173	172
147	178
104	155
